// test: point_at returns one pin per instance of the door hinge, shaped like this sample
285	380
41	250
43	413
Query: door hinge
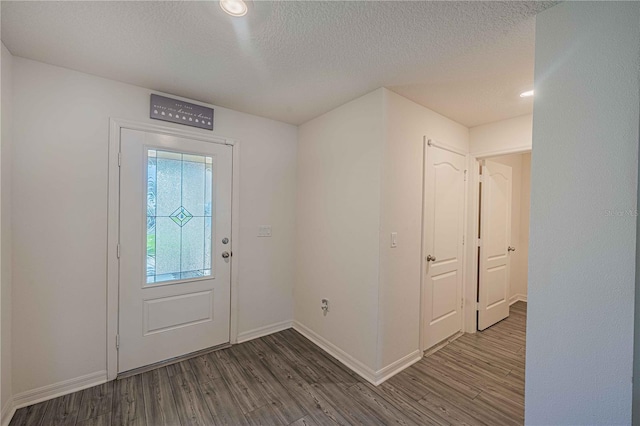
119	159
465	175
462	303
479	242
118	250
117	341
481	178
477	306
463	240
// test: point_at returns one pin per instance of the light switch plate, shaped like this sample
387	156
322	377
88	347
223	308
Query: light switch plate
394	239
264	231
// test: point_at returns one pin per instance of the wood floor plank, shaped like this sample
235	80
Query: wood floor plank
264	416
274	393
305	421
128	402
242	387
159	403
407	405
62	411
301	391
192	410
178	367
204	368
378	405
31	415
96	401
349	408
102	420
222	405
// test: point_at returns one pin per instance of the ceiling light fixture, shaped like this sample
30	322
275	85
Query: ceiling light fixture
526	94
234	7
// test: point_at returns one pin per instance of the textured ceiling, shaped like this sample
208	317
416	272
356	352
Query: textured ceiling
295	60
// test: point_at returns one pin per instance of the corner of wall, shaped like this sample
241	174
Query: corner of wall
6	95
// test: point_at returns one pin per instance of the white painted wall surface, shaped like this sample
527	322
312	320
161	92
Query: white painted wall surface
495	138
6	64
338	222
519	220
583	251
525	209
61	125
401	212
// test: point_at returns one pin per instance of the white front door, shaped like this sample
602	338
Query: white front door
495	237
175	231
443	244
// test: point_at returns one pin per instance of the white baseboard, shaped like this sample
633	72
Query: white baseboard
55	390
364	371
7	412
245	336
396	367
517	298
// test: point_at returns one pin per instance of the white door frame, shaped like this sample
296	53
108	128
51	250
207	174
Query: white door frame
471	244
423	264
113	226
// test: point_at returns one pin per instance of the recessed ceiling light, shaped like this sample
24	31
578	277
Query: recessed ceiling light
526	94
234	7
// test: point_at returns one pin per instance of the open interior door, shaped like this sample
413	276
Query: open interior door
495	237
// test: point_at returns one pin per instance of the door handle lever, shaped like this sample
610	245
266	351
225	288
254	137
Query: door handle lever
431	258
511	248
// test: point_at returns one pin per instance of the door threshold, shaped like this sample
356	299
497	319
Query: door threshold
442	344
171	361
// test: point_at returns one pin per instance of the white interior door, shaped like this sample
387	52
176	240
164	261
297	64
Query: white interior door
443	244
175	231
495	237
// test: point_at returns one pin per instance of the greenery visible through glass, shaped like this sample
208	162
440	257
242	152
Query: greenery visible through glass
179	188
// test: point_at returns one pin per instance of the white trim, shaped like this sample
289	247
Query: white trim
395	367
505	151
367	373
517	298
235	242
116	124
245	336
356	366
55	390
437	144
7	413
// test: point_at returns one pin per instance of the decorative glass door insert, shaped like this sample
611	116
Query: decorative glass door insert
179	206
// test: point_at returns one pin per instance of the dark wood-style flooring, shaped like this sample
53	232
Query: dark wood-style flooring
283	379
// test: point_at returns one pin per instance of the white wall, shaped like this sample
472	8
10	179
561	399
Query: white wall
401	211
359	179
520	166
525	209
338	222
584	176
511	134
6	63
61	124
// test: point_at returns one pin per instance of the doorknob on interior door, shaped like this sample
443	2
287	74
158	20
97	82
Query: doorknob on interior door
225	254
511	248
431	258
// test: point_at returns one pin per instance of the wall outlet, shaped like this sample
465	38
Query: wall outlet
264	231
